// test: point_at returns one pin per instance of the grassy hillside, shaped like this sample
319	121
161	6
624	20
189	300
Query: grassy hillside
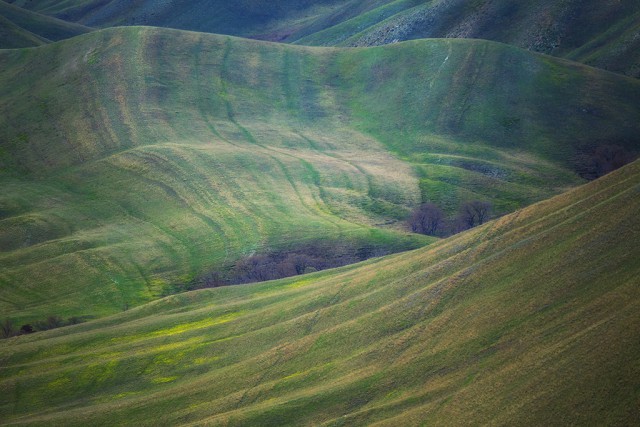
262	18
532	319
24	28
13	36
137	159
602	34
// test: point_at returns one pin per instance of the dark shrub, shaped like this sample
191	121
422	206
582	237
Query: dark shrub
26	329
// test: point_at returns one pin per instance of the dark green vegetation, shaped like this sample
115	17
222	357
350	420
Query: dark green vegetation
598	33
532	319
134	159
23	28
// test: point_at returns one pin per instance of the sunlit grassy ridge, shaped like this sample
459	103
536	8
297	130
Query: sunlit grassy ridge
532	319
137	158
23	28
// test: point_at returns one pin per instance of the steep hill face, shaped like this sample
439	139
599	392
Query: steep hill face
532	319
23	28
599	33
134	159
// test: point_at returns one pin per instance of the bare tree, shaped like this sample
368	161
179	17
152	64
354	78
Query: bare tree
212	280
426	219
596	162
6	328
474	213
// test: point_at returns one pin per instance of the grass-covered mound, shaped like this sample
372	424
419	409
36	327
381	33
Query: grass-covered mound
135	159
532	319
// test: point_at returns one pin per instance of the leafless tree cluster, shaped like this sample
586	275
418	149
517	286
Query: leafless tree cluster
426	219
273	265
8	329
594	162
259	268
429	219
475	213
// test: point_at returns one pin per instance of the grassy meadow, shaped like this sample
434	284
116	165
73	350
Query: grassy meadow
137	159
531	319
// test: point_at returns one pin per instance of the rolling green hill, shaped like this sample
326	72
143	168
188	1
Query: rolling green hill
23	28
135	160
532	319
602	34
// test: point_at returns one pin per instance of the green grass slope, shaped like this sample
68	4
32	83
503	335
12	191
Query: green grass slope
23	28
602	34
137	159
532	319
